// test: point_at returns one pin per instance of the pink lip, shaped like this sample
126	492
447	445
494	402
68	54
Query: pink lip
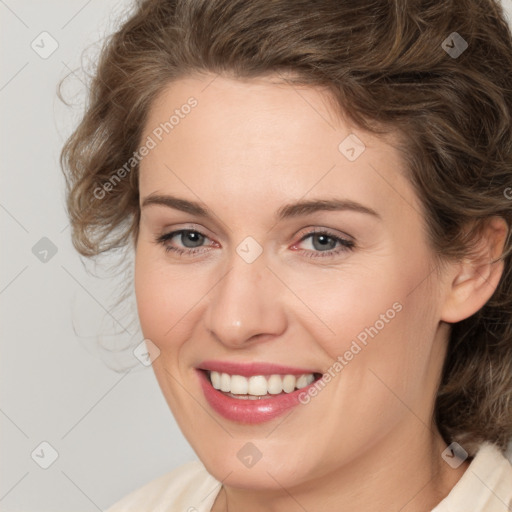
250	369
250	411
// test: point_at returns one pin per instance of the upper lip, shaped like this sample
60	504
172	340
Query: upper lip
252	368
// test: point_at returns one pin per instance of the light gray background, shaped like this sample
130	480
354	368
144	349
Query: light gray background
112	430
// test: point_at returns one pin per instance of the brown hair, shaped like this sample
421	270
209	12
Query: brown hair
391	65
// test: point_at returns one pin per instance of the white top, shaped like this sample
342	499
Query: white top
486	486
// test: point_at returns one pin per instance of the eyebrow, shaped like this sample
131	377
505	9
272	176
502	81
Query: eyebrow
288	211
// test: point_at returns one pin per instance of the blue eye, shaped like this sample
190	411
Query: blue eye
324	244
190	239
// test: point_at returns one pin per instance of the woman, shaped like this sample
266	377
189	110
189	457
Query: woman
318	197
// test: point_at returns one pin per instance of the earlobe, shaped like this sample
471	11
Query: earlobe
475	279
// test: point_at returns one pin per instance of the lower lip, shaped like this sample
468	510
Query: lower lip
249	411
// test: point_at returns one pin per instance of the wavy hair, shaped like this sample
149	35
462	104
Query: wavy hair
398	66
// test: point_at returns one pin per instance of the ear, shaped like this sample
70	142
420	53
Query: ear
473	280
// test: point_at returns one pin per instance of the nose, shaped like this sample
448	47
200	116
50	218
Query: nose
246	305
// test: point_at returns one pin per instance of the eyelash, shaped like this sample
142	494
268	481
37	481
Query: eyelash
346	245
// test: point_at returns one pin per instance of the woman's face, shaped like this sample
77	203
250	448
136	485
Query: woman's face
234	277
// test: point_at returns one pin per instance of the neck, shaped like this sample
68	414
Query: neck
405	473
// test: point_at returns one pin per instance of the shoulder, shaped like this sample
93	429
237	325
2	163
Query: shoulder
187	488
486	485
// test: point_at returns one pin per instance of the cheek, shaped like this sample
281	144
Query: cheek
157	298
378	316
362	302
340	305
380	348
148	292
168	296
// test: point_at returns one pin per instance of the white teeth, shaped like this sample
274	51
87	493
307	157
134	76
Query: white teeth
289	383
275	384
225	382
215	378
239	385
304	380
259	385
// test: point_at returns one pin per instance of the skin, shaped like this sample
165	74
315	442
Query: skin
367	441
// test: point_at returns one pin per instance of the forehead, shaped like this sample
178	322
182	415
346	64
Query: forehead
264	140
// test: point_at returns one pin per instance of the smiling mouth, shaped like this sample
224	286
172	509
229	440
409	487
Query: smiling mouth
257	387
